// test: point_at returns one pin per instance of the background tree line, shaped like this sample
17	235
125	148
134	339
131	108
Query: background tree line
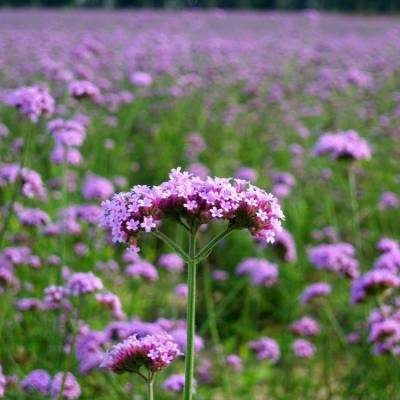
329	5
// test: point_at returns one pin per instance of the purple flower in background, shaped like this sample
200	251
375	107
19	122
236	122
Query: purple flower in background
303	348
89	213
179	336
32	217
17	255
181	290
80	283
37	381
389	261
283	184
71	389
358	78
171	262
199	170
372	283
286	246
246	173
4	132
220	275
84	89
89	350
69	155
204	371
67	132
176	383
194	146
261	272
56	297
387	245
140	78
29	304
315	290
353	338
81	249
383	330
388	200
305	326
142	269
338	257
343	145
266	348
3	383
111	301
33	101
235	362
31	181
151	352
97	188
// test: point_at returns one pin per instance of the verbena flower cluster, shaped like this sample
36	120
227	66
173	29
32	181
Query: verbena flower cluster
337	257
176	383
171	262
261	272
305	326
68	136
40	382
3	382
266	348
303	348
71	389
197	201
31	182
372	283
343	145
315	290
153	352
32	101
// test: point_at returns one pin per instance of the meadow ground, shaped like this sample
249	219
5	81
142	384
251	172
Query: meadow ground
305	106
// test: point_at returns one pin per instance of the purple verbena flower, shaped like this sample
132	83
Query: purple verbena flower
303	348
343	145
305	326
235	362
261	272
318	289
171	262
71	391
142	269
176	383
37	381
33	101
338	257
233	200
266	348
81	283
151	352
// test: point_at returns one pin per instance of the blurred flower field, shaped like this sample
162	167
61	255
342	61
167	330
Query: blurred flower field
295	247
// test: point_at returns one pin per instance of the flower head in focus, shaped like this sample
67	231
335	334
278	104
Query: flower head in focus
152	352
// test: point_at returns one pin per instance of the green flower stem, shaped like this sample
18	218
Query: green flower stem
171	243
335	324
63	236
150	386
190	318
214	329
355	217
205	251
70	357
17	186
